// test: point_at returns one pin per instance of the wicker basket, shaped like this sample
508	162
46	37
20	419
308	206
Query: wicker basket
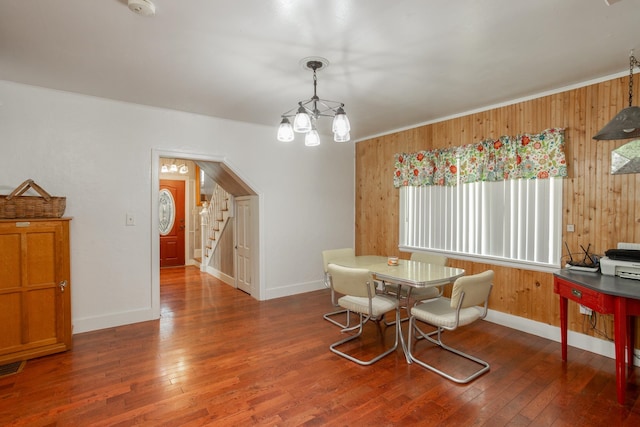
44	206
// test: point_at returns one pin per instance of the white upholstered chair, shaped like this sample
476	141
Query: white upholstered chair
327	256
358	288
468	303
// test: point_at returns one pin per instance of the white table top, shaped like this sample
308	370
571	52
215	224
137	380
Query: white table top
362	261
412	273
415	273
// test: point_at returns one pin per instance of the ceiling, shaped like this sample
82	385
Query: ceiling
394	63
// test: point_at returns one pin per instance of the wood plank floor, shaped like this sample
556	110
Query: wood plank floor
219	357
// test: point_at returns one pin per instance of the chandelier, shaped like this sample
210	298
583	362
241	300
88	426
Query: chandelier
626	124
174	168
306	114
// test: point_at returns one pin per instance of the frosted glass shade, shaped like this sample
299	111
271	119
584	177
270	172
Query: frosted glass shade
312	138
341	125
302	121
285	131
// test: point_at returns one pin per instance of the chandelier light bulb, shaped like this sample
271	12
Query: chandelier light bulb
164	169
302	121
173	168
341	124
285	131
184	169
312	138
342	138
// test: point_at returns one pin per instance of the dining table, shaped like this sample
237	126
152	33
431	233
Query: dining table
416	274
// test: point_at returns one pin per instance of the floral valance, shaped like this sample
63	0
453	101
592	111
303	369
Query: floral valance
527	156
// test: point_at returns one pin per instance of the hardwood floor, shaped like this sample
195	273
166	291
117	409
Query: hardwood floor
219	357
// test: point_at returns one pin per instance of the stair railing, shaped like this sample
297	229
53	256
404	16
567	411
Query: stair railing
213	218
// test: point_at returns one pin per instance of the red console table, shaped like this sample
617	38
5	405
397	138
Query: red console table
606	295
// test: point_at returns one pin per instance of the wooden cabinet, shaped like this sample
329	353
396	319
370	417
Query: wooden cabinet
35	288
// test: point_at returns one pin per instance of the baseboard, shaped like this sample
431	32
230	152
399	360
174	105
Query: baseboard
86	324
574	339
222	276
298	288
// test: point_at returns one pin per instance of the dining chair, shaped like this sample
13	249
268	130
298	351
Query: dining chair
408	293
468	303
359	296
327	256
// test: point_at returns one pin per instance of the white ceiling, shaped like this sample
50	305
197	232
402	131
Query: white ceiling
394	63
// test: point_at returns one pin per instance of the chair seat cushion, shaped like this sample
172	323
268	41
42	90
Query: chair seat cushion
380	304
439	313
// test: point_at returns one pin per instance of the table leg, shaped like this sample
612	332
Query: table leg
631	334
620	341
399	326
629	344
563	326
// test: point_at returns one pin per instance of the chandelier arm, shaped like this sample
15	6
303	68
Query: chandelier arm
325	105
290	113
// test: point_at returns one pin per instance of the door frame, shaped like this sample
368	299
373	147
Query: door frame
258	291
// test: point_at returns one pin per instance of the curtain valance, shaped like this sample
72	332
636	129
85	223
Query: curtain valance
528	156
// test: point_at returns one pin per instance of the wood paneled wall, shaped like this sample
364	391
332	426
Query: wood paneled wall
604	208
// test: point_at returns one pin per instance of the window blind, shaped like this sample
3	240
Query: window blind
512	221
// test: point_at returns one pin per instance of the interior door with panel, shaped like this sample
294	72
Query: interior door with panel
172	223
244	235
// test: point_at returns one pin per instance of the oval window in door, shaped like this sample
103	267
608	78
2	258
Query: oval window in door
167	211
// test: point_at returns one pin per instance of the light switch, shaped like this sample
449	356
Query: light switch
571	228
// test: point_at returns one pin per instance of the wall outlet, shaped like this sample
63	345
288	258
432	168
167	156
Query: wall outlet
585	310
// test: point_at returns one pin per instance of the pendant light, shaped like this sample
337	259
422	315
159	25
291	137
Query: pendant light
306	114
626	124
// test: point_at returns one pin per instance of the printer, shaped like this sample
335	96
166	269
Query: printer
622	262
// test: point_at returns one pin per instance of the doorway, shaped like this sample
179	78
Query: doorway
235	185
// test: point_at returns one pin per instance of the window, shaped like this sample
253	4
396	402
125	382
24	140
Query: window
497	201
508	222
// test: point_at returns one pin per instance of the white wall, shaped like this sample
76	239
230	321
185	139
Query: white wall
98	153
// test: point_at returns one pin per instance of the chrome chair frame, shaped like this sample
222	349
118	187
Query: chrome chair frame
366	312
481	314
327	256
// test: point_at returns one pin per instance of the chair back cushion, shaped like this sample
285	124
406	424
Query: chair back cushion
429	258
351	281
330	254
476	289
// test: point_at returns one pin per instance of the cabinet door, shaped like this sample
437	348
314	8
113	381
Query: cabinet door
34	288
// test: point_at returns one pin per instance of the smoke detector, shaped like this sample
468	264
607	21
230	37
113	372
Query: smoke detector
142	7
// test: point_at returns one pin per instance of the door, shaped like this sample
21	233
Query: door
171	222
35	299
244	233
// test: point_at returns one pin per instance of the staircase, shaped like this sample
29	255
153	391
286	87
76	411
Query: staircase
214	217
